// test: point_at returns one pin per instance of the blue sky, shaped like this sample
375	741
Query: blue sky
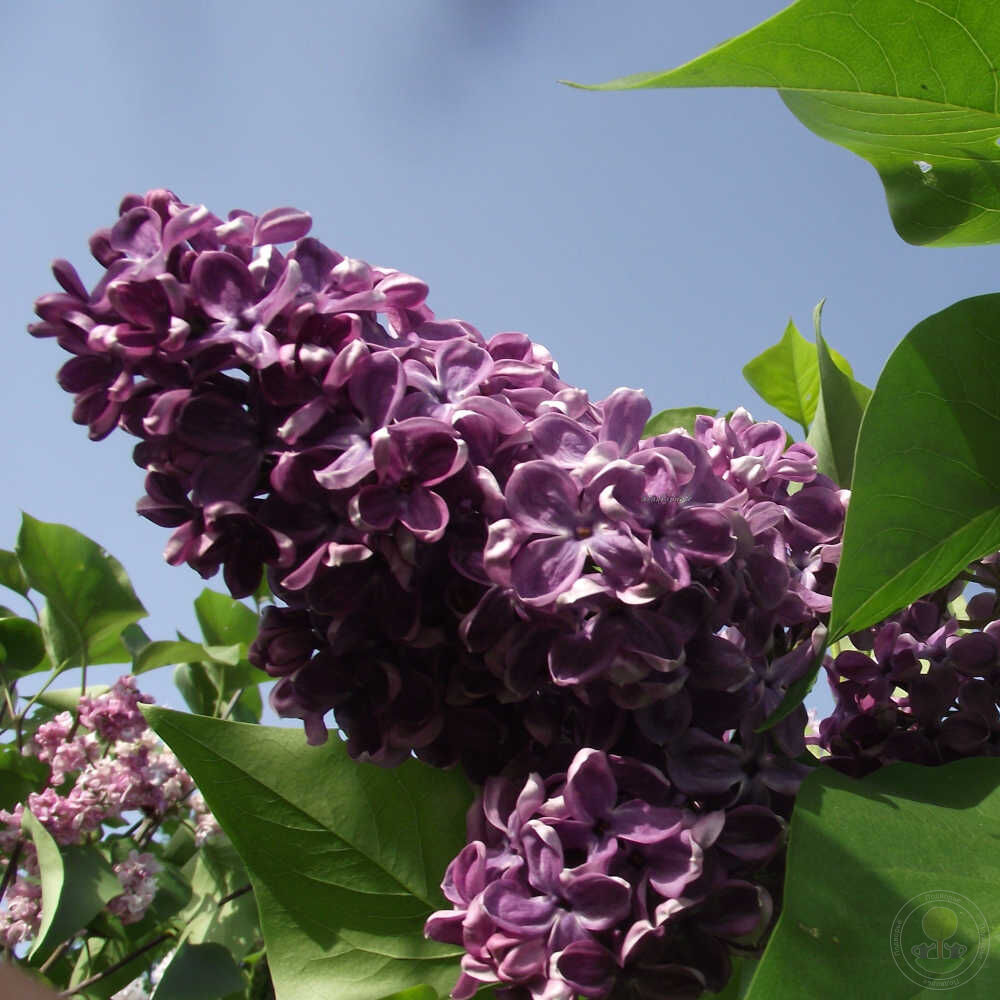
656	239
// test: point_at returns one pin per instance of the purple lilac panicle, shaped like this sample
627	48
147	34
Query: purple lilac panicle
476	563
467	548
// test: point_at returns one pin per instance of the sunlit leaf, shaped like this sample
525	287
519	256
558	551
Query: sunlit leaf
89	599
668	420
867	860
786	375
77	882
926	498
910	85
841	405
345	858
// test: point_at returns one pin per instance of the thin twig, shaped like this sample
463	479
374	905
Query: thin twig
8	875
232	704
235	894
56	955
112	969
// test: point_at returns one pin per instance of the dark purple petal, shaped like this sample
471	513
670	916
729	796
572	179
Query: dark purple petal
223	285
587	968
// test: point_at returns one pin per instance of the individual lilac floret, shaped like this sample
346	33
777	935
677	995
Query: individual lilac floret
595	879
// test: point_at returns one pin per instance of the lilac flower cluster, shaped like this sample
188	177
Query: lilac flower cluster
469	564
922	687
109	765
600	882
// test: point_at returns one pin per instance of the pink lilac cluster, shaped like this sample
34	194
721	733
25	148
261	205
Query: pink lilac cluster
137	874
600	882
110	764
922	687
475	562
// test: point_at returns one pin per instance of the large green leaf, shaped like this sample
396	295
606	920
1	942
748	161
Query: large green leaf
345	858
910	85
786	375
926	499
668	420
841	405
77	881
89	599
868	862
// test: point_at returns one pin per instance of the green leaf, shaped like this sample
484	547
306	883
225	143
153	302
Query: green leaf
165	653
786	375
11	574
19	776
77	881
197	690
215	872
911	86
173	893
345	858
23	647
181	847
867	861
926	501
414	993
739	980
89	597
841	405
134	637
105	952
668	420
66	699
199	972
223	621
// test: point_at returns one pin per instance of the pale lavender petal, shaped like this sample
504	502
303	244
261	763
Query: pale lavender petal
598	901
591	788
546	567
543	498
